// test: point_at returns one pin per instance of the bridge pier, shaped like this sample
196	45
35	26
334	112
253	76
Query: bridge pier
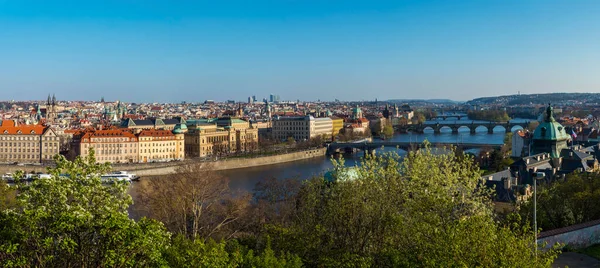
454	130
473	129
490	129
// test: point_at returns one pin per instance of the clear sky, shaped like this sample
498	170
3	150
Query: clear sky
159	51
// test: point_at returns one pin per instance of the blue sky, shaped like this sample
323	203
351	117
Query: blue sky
159	51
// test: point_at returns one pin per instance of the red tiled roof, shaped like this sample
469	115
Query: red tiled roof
107	133
12	128
156	133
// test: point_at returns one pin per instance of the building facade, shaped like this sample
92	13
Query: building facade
159	145
323	127
337	125
111	145
27	143
297	127
222	136
124	146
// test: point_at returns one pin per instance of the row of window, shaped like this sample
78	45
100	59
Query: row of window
27	138
15	157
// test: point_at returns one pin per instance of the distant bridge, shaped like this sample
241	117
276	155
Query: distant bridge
455	125
370	147
446	116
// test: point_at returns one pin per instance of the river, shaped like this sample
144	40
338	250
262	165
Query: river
246	179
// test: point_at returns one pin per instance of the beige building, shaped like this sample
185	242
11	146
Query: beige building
123	146
111	145
323	127
226	135
301	127
160	145
27	143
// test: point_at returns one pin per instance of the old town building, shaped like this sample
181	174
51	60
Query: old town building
111	145
27	143
206	137
158	145
124	146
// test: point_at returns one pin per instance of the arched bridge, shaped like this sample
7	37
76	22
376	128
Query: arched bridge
455	125
454	116
369	147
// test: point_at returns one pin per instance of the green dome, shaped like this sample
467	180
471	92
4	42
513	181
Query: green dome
550	129
180	129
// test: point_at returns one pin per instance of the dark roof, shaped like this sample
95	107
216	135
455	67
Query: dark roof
568	228
171	121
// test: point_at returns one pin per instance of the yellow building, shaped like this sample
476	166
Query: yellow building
158	145
338	124
226	135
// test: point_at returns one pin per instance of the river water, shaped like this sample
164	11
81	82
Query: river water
247	178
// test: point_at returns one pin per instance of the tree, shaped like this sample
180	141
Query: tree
72	220
565	203
291	141
533	125
418	118
428	211
7	196
388	131
194	202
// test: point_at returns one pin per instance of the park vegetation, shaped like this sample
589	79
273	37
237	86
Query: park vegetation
567	201
428	210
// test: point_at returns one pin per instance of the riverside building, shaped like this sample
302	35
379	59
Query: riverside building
27	143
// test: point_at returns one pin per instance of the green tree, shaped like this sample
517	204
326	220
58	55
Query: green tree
565	203
186	252
291	141
388	131
427	211
7	196
72	220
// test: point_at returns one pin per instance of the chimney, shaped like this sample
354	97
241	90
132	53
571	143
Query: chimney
527	161
571	154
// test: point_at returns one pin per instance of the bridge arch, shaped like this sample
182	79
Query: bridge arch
445	129
515	128
498	129
428	129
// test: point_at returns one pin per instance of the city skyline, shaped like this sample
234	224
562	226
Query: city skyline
351	50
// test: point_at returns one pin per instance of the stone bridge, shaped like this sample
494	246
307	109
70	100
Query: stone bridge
370	147
455	125
457	116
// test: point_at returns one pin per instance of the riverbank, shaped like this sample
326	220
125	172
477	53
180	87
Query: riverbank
153	169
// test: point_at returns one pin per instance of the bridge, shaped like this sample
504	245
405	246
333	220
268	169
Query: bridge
446	116
455	125
370	147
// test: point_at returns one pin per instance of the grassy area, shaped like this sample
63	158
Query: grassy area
592	251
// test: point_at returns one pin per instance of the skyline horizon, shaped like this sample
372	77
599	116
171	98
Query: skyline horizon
261	99
157	51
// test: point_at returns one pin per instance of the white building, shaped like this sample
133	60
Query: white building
301	127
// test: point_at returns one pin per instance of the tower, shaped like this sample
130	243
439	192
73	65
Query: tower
51	109
549	136
386	111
